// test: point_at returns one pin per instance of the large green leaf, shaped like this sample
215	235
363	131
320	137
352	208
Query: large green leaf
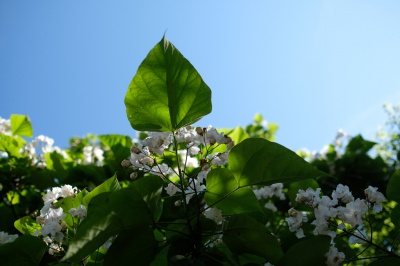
110	184
167	92
135	245
307	252
246	235
395	216
224	194
25	250
259	161
109	213
21	125
393	261
393	187
150	188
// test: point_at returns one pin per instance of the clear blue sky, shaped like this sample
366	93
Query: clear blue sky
310	66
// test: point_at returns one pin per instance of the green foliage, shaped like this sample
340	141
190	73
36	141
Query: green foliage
307	252
194	196
167	92
259	161
21	125
25	250
245	235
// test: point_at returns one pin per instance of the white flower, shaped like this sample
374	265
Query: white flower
162	170
342	193
334	257
374	196
270	206
309	197
80	212
157	142
171	189
6	238
194	187
214	214
294	222
54	248
68	191
353	212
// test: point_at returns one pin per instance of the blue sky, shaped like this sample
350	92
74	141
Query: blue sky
310	66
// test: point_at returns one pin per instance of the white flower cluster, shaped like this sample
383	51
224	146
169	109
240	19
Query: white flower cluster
38	147
268	192
143	155
51	217
93	155
340	206
5	126
6	238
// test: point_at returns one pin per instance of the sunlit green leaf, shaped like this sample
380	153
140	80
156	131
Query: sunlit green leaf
167	92
27	225
21	125
11	144
259	161
110	184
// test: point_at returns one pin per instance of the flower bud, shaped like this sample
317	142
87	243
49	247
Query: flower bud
126	163
177	203
199	131
133	176
212	141
135	150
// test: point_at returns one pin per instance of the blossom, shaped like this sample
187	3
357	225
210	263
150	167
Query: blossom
294	221
342	193
6	238
171	189
214	214
334	257
80	212
374	196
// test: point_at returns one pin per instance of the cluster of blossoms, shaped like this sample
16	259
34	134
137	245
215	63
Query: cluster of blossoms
340	209
143	156
5	126
38	147
268	192
196	142
51	217
93	155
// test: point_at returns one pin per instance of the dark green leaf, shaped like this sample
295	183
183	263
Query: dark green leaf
21	125
25	250
135	245
150	188
259	161
386	262
167	92
224	194
246	235
359	145
393	187
307	252
109	213
395	216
